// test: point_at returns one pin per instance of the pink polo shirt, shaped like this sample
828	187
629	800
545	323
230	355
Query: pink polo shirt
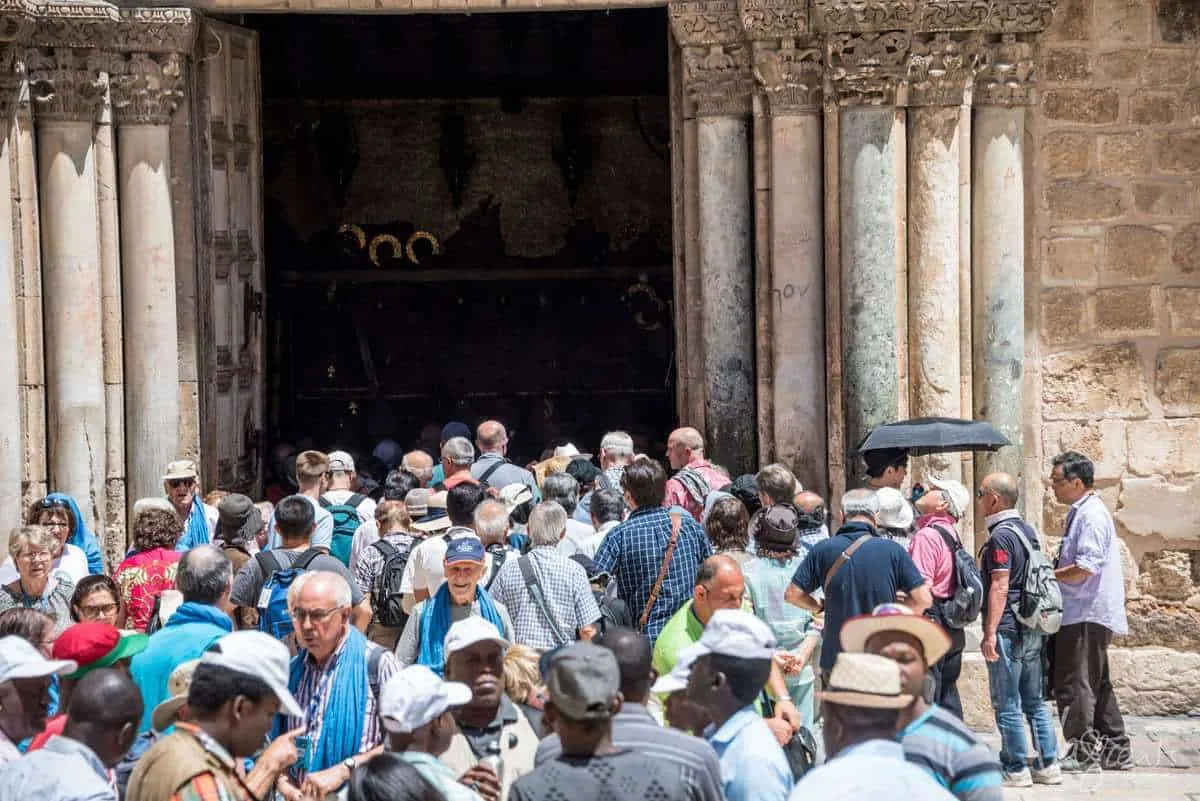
932	557
677	494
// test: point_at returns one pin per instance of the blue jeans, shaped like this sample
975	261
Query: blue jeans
1015	681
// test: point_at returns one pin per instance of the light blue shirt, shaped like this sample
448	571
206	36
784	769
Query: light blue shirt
753	767
869	771
63	770
322	536
439	775
1090	542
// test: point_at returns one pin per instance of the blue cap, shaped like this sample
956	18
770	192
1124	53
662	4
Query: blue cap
455	429
464	549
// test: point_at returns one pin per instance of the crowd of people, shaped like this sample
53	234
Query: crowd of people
470	629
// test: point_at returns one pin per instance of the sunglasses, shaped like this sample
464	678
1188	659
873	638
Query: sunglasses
53	503
176	483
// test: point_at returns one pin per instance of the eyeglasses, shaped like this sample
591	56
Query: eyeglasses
313	615
53	503
36	556
58	524
97	611
176	483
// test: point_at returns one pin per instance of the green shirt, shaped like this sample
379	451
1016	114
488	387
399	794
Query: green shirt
683	630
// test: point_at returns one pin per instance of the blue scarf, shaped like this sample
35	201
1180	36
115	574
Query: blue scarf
196	532
193	612
81	535
435	622
342	721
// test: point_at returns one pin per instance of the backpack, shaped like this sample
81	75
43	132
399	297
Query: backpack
499	557
345	523
1040	606
963	607
614	613
386	597
696	485
273	615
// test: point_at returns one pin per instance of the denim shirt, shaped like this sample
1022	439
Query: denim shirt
753	767
1090	542
63	770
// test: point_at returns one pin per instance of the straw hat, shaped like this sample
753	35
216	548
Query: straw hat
865	680
856	631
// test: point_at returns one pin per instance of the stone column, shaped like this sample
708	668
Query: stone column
146	91
719	81
1003	89
11	82
938	77
791	77
68	87
868	86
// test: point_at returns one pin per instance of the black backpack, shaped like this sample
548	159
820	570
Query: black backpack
614	613
386	597
963	607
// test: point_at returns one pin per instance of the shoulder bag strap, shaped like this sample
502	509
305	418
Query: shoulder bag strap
676	524
486	474
384	547
842	559
305	559
947	538
354	500
534	585
267	564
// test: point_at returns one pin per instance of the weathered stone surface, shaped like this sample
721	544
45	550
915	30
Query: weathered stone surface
1123	154
1177	380
1164	67
1155	681
1191	105
1127	311
1104	441
1183	311
1072	259
1064	316
1087	106
1072	21
1164	198
1083	200
1066	64
1167	447
1122	20
1067	153
1166	575
1120	65
1100	381
1151	107
1155	506
1178	21
1179	152
1185	252
1133	253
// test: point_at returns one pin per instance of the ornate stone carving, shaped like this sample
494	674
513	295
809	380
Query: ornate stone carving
147	88
68	83
955	15
993	16
719	80
864	15
868	68
1020	16
1007	76
83	24
701	23
940	70
791	76
156	30
774	19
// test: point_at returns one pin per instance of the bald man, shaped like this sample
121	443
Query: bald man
813	521
695	477
493	467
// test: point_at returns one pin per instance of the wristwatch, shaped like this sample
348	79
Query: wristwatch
350	764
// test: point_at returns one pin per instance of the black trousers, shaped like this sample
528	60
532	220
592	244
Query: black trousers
945	671
1091	720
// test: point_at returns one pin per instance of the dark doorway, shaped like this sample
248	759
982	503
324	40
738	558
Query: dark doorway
467	217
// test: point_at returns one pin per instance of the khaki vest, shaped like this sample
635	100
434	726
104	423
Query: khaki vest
518	757
174	761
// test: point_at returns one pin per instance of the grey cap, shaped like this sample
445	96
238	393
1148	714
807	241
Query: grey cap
583	681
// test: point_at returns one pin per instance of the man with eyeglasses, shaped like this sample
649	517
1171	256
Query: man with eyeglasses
182	487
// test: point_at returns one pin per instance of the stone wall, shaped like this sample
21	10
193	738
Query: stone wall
1116	254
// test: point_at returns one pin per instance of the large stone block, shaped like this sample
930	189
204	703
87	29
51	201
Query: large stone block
1168	67
1099	381
1117	66
1155	681
1166	447
1185	251
1064	64
1083	200
1064	316
1161	623
1104	441
1072	21
1086	106
1127	311
1178	21
1123	154
1068	153
1149	107
1133	253
1183	310
1177	381
1179	152
1157	507
1072	259
1166	575
1164	198
1123	20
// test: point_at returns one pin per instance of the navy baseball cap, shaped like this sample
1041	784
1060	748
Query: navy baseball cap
455	429
464	549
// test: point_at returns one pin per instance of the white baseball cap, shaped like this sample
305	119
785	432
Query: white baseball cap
415	696
20	660
260	655
958	496
341	461
732	632
466	633
675	681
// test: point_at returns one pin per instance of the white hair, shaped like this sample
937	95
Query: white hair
342	595
860	503
547	523
459	451
146	504
491	520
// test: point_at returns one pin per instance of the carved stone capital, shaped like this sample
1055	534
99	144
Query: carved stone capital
68	83
868	68
941	69
774	19
719	80
147	88
700	23
790	74
1007	75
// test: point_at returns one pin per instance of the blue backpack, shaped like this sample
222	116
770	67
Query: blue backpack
273	615
345	522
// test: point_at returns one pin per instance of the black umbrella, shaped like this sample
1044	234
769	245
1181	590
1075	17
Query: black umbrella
925	435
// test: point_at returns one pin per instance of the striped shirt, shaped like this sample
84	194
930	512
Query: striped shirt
941	744
635	729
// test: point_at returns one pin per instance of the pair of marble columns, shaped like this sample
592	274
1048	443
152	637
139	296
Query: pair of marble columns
107	251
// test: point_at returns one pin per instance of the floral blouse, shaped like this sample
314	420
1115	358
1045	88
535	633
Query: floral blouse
142	578
54	601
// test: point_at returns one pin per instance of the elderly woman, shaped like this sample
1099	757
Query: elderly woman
393	521
59	515
459	597
25	676
150	568
38	585
97	599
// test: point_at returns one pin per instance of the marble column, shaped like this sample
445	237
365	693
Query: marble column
68	87
720	83
998	249
145	93
10	320
791	78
